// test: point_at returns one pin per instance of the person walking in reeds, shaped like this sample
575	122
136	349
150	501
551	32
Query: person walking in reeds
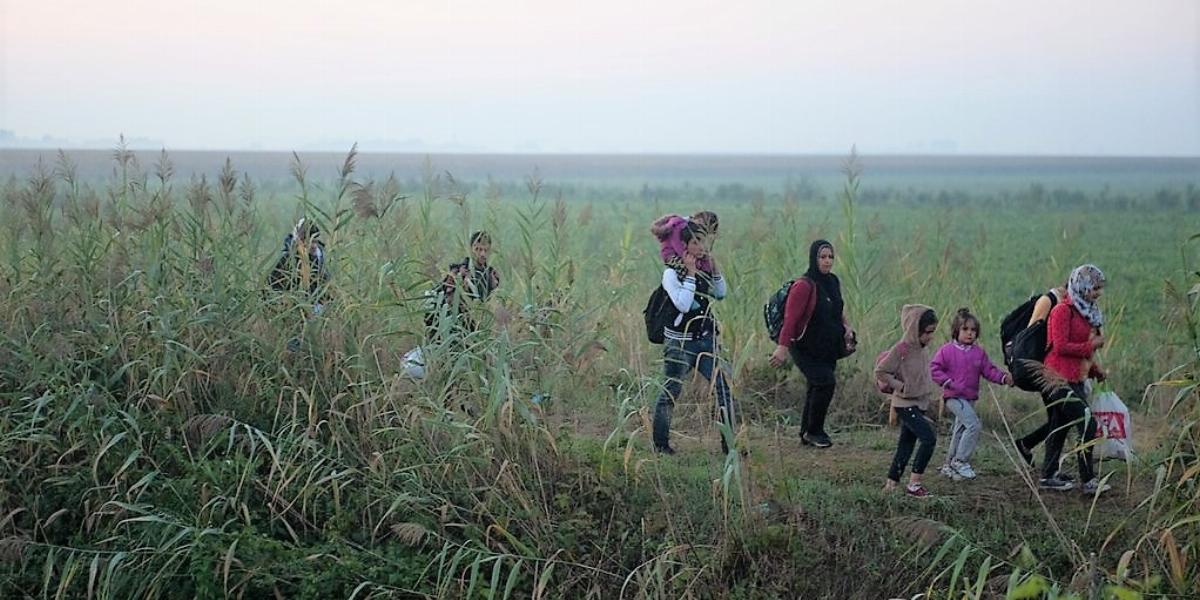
957	367
690	339
815	335
301	264
1041	312
1073	337
472	278
905	371
301	267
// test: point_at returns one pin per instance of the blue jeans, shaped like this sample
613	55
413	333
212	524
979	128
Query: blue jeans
679	359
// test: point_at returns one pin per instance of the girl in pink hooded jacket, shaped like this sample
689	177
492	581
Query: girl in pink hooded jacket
957	368
668	229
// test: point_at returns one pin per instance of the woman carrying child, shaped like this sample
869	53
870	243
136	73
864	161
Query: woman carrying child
905	371
957	367
690	340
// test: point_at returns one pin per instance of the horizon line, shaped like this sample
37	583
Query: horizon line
713	154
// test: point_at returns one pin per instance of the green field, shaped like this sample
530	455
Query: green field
159	439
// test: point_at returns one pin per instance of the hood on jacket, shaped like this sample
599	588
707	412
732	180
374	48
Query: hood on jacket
910	323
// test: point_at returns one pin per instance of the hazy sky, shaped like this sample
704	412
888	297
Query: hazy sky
1010	76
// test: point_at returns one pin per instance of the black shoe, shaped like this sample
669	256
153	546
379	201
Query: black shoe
1064	476
1026	454
665	449
819	440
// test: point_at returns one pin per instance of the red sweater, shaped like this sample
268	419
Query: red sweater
1068	343
800	304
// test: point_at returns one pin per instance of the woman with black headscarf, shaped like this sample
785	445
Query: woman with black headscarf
815	333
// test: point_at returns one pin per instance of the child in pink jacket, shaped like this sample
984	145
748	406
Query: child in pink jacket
669	229
957	368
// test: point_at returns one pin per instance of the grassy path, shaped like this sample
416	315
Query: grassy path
824	509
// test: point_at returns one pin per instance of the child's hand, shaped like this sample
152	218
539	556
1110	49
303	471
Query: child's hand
1008	380
1097	341
689	263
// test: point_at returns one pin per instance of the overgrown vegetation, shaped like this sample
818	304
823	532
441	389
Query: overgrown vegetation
159	438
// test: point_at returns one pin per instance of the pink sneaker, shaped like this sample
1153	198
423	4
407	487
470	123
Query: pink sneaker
917	491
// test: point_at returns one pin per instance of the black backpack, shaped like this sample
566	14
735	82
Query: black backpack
773	310
659	313
1017	321
1025	356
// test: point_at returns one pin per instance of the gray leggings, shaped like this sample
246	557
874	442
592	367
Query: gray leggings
964	436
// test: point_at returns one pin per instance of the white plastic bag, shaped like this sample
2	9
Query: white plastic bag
1113	426
414	363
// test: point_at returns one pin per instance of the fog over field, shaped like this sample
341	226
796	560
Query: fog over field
467	299
632	171
1098	77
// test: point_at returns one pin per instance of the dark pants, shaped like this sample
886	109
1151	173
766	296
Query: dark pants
1040	434
1067	406
459	325
821	382
914	427
679	359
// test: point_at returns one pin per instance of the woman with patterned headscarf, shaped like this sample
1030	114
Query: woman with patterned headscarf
1073	336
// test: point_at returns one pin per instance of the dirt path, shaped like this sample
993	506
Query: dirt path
861	455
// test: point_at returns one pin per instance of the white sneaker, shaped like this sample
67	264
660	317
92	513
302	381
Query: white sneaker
950	472
1095	488
963	469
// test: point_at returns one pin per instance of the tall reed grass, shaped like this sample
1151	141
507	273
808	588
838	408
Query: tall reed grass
160	439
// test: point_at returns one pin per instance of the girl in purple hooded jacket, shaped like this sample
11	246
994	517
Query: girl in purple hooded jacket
957	368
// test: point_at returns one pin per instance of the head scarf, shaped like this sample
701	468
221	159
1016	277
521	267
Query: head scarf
828	282
814	271
1084	279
